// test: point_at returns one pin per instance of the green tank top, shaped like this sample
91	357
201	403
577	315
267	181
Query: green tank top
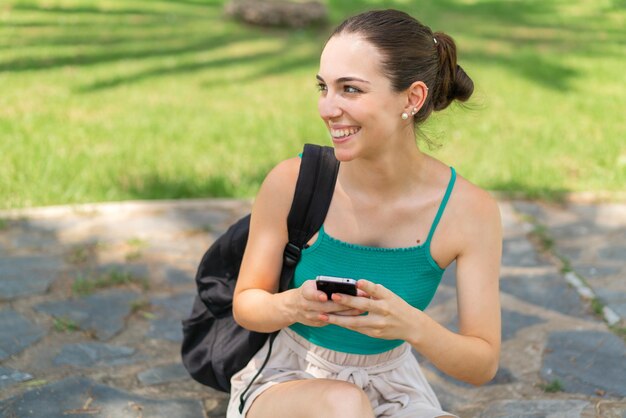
410	272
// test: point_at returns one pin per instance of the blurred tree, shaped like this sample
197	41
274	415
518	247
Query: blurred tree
282	13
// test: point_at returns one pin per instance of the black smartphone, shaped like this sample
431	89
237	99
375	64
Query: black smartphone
330	285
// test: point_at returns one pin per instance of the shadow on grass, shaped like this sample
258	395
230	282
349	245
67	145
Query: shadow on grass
518	190
86	10
85	60
529	38
179	69
155	186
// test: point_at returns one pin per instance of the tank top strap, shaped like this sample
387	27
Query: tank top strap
442	206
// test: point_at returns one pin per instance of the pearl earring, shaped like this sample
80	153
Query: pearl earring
405	116
414	111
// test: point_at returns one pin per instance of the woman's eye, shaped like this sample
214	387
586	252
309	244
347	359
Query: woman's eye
350	89
321	87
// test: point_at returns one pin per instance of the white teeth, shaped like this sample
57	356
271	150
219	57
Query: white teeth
339	133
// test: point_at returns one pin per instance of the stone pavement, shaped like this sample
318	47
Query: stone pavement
91	299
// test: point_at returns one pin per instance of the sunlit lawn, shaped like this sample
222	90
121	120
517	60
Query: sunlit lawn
134	99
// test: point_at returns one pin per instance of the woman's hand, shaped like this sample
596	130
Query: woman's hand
311	306
388	315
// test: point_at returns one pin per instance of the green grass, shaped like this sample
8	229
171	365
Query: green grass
85	286
552	387
65	325
597	306
136	245
130	99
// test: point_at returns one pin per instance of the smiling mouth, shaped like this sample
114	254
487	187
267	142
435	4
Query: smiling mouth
342	133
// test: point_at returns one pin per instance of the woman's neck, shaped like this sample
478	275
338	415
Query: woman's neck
389	174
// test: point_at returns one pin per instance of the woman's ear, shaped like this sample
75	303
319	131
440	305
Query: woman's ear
416	96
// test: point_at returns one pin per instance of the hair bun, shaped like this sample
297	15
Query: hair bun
453	83
463	86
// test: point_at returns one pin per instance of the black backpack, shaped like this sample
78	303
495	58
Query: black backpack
214	346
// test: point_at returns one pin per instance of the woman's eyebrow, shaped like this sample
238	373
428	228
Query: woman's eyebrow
344	79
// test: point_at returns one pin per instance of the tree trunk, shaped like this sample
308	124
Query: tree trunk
282	13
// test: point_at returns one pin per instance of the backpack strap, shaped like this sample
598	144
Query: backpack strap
314	191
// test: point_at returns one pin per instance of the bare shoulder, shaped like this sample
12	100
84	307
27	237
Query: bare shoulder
276	193
476	210
474	199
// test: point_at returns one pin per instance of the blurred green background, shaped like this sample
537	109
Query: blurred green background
104	100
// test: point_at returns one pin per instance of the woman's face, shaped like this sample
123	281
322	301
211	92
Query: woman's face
357	103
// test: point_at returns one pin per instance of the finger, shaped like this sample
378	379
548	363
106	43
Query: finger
355	302
349	312
310	292
375	290
349	322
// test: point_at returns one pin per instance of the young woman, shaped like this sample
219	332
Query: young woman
398	218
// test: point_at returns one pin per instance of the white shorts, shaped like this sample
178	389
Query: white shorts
393	380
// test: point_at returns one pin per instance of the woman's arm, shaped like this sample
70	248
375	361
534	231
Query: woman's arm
471	355
256	305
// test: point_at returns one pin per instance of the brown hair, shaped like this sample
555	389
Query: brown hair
412	52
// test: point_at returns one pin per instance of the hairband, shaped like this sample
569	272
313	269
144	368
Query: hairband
435	39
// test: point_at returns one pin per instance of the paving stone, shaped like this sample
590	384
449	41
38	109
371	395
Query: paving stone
535	409
511	323
514	321
607	409
9	377
68	397
144	227
503	376
175	276
571	231
570	253
16	333
591	272
529	208
27	276
92	354
519	252
4	244
34	240
27	286
619	309
613	253
177	306
614	299
103	313
549	291
49	226
170	311
163	374
444	294
134	270
449	400
18	267
449	276
202	218
585	361
168	329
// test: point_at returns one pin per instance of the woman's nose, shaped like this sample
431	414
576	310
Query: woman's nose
328	107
